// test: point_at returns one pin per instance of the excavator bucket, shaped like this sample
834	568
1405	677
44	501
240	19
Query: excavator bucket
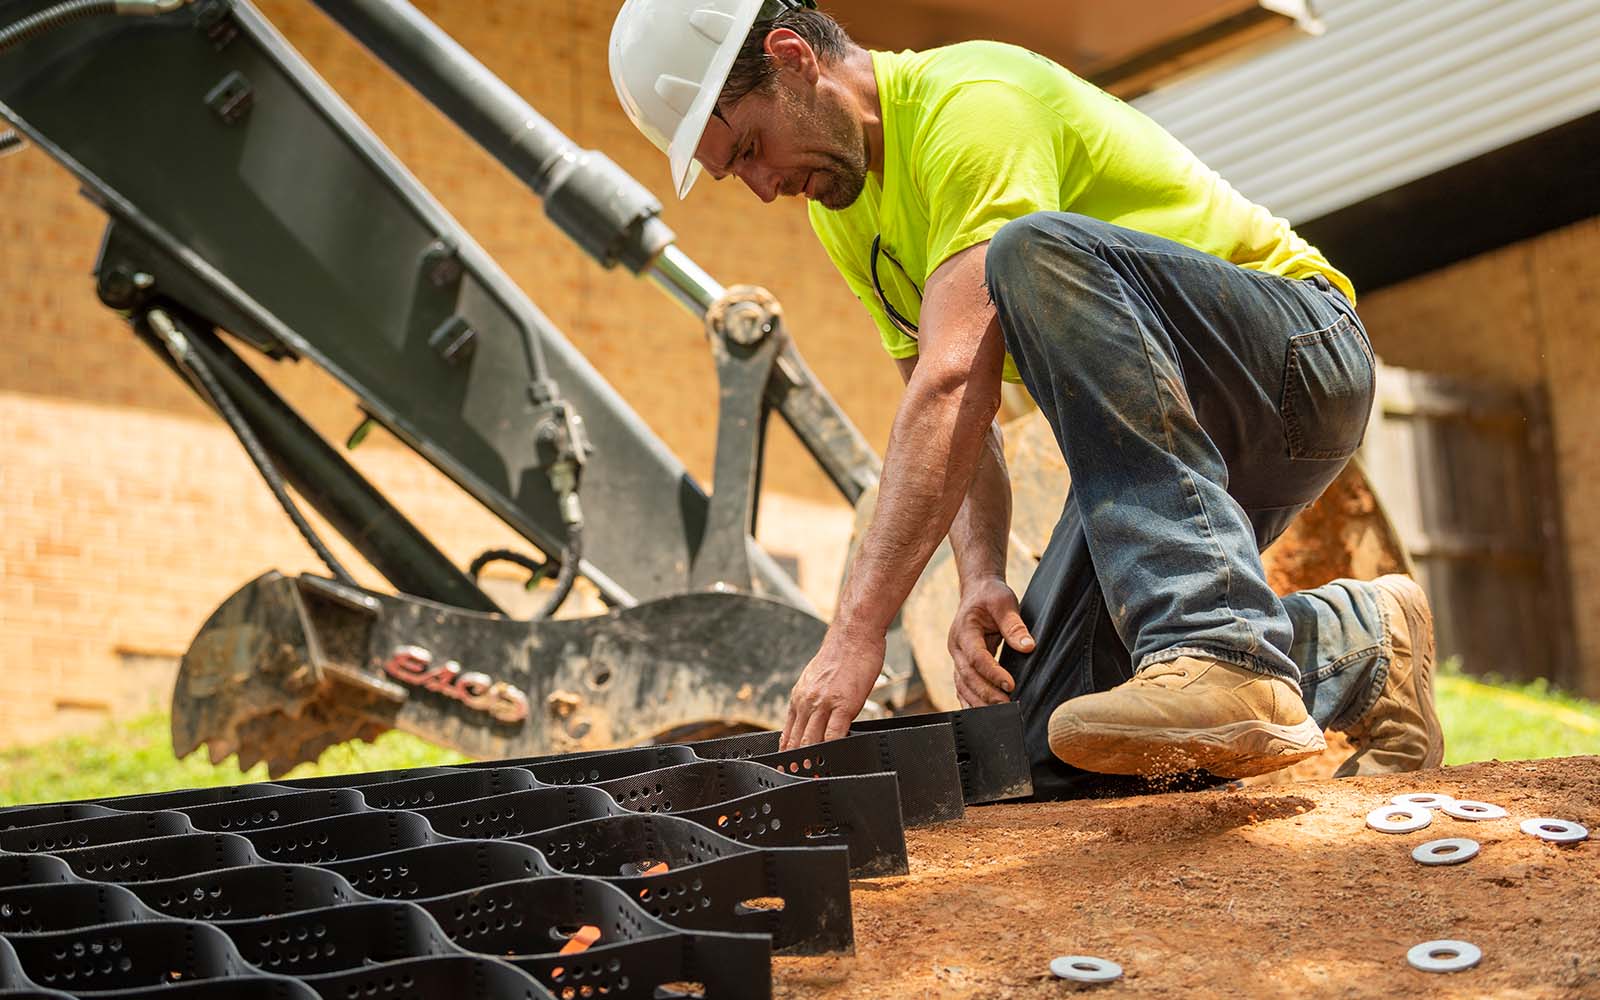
288	666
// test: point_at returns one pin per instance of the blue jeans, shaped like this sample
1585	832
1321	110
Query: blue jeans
1200	407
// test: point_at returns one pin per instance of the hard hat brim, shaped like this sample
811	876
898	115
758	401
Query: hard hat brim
684	181
686	139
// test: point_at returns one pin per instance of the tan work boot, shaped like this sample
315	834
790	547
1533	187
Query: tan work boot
1401	731
1185	714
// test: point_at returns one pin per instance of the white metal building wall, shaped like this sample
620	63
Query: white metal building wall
1394	90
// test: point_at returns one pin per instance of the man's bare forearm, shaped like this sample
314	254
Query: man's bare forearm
940	431
982	527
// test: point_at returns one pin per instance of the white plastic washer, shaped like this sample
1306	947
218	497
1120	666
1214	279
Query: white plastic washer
1449	851
1085	969
1467	809
1557	831
1387	819
1444	956
1427	800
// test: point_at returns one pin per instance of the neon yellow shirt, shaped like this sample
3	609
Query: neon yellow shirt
980	133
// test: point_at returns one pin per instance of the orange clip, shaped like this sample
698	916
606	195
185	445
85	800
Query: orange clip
581	940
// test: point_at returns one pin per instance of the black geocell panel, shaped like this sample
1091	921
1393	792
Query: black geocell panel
692	863
469	880
989	752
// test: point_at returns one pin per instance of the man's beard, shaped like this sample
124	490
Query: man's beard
845	176
845	180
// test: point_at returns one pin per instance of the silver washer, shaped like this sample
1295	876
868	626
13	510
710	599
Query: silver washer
1084	969
1557	831
1467	809
1427	800
1449	851
1399	819
1444	956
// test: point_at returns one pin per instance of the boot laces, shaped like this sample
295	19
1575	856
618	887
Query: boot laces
1164	674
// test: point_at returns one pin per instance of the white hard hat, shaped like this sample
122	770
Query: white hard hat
669	60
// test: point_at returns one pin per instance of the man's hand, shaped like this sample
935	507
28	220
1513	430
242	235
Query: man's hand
950	402
988	613
833	687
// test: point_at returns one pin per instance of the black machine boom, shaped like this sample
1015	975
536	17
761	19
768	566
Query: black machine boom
251	210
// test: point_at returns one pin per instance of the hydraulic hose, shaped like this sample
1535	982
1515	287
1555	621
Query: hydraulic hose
566	572
535	568
571	555
191	361
51	18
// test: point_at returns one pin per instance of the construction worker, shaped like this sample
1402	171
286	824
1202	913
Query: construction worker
1203	369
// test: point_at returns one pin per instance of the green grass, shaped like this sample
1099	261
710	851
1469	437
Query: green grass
1482	721
135	756
1485	719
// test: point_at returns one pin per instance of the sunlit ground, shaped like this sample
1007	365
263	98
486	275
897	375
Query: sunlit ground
1482	721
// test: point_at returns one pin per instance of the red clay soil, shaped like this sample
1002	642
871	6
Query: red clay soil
1268	892
1345	533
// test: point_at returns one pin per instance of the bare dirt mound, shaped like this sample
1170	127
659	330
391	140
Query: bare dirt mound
1267	892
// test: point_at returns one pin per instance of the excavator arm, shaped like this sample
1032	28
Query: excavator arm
251	210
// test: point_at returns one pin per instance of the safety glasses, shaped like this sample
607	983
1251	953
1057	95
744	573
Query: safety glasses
902	324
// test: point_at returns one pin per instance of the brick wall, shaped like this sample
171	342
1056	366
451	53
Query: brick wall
1524	315
127	513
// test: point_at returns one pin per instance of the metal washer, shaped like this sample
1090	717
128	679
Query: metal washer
1564	832
1085	969
1426	800
1472	811
1384	819
1449	851
1462	955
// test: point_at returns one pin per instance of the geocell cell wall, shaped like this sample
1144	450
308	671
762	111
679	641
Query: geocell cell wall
323	887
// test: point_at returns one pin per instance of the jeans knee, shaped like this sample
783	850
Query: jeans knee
1031	247
1011	249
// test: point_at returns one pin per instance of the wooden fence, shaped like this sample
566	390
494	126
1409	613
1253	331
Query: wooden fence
1468	476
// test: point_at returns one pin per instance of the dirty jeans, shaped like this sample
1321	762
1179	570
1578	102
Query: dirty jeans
1200	407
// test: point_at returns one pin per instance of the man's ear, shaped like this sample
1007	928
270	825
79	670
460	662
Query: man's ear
792	53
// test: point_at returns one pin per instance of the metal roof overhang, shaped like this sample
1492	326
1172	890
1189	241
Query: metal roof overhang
1125	48
1411	133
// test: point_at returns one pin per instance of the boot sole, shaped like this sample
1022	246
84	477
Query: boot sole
1419	622
1237	750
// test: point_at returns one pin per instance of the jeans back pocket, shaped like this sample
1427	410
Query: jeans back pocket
1328	387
